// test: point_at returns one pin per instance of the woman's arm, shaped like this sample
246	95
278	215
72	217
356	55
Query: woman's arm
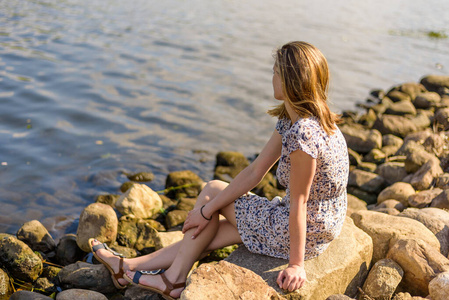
301	176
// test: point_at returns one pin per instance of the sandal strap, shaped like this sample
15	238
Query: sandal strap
105	246
121	272
169	286
152	272
137	276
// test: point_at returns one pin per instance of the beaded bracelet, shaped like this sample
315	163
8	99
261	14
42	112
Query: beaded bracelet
201	211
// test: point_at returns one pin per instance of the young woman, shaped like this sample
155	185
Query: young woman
313	166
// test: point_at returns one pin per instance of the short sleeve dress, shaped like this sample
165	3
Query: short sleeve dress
263	225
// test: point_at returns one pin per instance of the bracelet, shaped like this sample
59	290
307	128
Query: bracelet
201	211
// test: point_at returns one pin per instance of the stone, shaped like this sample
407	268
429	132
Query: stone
417	159
355	204
360	139
436	220
367	166
369	198
354	157
366	181
435	143
140	201
423	178
396	125
439	287
427	100
382	228
126	186
390	150
81	275
338	297
164	239
392	172
141	177
5	286
398	96
407	296
108	199
134	292
225	280
391	203
375	156
50	272
35	235
420	262
67	251
412	89
442	181
399	191
182	184
186	204
268	187
97	221
441	201
27	295
422	120
80	294
136	233
435	82
339	270
175	218
401	108
442	118
386	210
419	137
391	140
19	260
423	198
383	279
45	285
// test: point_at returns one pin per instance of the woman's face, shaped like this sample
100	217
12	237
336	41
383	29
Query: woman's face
277	84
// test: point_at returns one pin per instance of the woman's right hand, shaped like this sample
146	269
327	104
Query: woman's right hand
195	220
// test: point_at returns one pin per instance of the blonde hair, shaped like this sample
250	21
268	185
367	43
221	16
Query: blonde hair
304	75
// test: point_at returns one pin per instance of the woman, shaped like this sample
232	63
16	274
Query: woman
313	166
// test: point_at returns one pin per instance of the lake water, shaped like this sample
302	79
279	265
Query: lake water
90	89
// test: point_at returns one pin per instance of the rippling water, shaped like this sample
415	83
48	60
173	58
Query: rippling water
90	89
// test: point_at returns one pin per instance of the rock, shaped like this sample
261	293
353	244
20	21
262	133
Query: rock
427	100
442	118
396	125
268	187
406	296
27	295
391	204
51	272
392	172
399	191
417	159
420	262
136	233
354	157
5	286
175	218
190	182
35	235
368	167
422	120
366	181
186	204
423	178
340	269
441	201
67	251
108	199
439	287
382	228
164	239
97	221
19	260
386	210
134	292
45	285
139	200
412	89
355	204
390	150
436	220
391	140
369	198
442	181
229	164
86	276
80	294
398	96
375	156
423	198
435	82
435	143
383	279
126	186
141	177
408	147
419	137
338	297
360	139
225	280
401	108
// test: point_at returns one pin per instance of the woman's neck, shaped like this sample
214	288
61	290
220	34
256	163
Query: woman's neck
293	115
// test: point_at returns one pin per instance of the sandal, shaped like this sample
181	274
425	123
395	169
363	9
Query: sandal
168	285
115	276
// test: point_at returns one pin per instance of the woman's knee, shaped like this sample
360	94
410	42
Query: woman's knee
210	190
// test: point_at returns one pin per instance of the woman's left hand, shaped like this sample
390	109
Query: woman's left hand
195	219
292	278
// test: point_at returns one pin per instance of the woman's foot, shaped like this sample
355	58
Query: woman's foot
162	283
111	261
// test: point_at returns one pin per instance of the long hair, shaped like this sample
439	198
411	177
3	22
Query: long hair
304	75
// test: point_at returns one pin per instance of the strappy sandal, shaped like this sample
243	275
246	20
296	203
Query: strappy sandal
115	276
168	285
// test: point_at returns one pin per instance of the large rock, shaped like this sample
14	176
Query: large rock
396	125
392	171
422	180
401	108
366	181
399	191
436	220
417	158
35	235
181	184
229	164
391	140
140	201
442	118
411	88
439	287
423	198
383	279
442	181
175	217
360	139
86	276
382	228
165	239
442	200
19	260
136	233
427	100
80	294
435	82
27	295
339	270
225	280
97	221
67	251
5	286
355	204
420	262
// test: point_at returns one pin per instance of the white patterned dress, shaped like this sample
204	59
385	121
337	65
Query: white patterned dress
263	225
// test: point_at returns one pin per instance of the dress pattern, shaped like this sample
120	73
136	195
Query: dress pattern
263	225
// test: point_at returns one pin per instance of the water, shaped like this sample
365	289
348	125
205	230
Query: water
90	89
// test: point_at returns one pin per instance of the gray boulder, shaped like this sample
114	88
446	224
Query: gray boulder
392	172
27	295
366	181
423	178
442	200
67	251
423	198
401	108
442	118
439	287
80	294
427	100
435	82
360	139
399	191
35	235
396	125
383	279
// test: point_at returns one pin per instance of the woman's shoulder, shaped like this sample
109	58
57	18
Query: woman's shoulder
307	124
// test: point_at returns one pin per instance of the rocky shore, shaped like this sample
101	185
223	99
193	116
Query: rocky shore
394	243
